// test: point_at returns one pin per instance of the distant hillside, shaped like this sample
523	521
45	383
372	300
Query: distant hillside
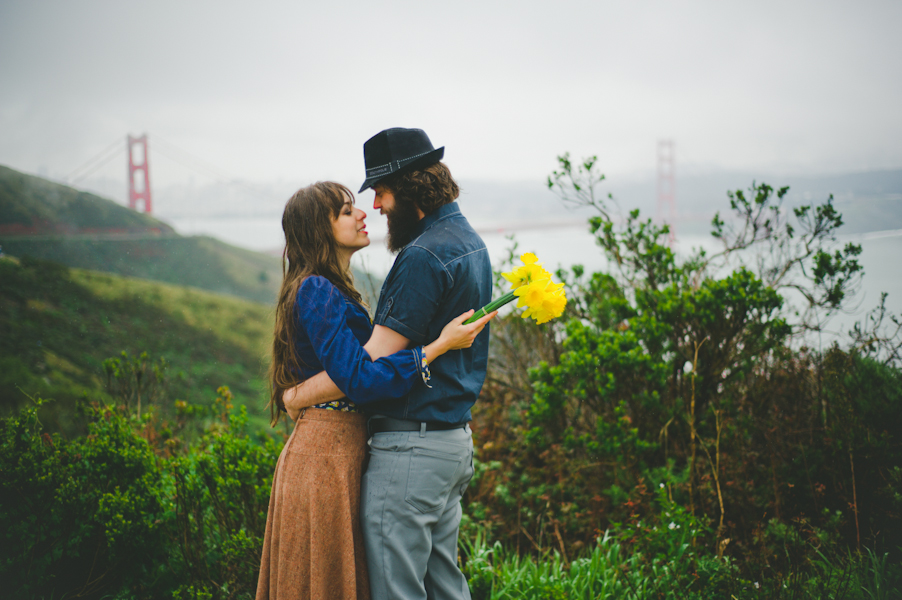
31	205
200	262
870	201
59	324
50	221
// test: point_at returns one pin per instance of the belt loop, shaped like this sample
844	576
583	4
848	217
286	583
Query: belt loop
423	429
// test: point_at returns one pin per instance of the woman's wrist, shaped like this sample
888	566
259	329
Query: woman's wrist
422	362
435	349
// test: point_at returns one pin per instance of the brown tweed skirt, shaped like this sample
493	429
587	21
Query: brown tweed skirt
313	546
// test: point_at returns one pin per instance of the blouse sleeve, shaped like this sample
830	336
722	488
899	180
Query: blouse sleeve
321	312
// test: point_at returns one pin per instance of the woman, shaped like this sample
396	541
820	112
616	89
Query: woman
313	546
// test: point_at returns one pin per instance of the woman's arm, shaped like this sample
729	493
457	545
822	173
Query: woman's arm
322	314
320	388
384	342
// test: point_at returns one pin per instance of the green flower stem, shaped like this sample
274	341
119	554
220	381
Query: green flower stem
493	305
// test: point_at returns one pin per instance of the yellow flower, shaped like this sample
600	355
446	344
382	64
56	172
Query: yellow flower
555	302
544	303
544	300
533	294
530	271
517	277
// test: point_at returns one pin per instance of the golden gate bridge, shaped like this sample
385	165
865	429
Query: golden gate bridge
136	150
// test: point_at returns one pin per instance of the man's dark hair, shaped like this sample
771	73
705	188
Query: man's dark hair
428	188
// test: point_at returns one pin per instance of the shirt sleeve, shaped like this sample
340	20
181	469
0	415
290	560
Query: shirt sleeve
321	312
412	296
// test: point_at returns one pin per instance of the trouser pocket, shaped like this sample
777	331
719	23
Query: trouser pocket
468	476
431	478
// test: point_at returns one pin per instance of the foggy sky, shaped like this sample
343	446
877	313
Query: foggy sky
291	90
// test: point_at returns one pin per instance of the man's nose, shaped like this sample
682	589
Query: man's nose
376	204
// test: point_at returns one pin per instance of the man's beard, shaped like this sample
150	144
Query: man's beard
403	220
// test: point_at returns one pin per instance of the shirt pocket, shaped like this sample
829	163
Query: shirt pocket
431	476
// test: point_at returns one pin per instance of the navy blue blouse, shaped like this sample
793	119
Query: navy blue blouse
330	334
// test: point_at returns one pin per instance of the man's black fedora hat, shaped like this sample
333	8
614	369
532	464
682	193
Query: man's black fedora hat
397	150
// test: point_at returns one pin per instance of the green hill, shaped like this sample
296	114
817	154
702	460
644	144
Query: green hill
34	205
201	262
60	324
54	222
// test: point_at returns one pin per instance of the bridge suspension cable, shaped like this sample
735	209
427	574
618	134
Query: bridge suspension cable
170	151
174	153
97	161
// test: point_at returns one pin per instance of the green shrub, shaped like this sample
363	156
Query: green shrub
218	496
693	370
128	512
79	517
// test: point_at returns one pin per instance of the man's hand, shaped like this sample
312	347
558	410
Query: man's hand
319	389
292	398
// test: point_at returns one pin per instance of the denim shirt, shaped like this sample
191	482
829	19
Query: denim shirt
330	334
441	274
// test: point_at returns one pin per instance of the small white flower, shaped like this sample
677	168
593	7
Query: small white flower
756	585
672	525
661	485
687	368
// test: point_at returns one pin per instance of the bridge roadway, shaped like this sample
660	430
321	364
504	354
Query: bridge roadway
91	237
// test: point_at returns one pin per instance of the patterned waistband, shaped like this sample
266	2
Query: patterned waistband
321	414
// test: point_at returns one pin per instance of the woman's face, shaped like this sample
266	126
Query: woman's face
349	228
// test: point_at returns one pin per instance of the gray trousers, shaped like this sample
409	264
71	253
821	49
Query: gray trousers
410	513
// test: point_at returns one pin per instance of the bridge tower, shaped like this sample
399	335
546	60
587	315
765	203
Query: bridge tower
666	210
138	189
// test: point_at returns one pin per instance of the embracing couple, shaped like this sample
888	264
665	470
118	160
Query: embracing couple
366	494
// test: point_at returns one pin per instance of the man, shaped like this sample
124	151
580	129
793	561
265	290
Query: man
421	456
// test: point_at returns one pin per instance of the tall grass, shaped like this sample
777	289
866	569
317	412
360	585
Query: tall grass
496	573
611	570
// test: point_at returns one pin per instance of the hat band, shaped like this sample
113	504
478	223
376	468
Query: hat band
388	168
378	171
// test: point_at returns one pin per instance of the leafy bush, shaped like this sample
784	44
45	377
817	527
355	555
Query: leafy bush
130	509
694	372
78	517
219	495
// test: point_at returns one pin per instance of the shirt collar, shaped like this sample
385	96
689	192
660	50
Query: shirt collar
442	212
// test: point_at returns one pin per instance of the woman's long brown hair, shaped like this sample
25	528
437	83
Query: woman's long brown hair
310	249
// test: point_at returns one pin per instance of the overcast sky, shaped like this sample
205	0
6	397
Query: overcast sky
290	90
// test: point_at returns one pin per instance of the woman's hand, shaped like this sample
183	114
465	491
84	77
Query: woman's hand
456	335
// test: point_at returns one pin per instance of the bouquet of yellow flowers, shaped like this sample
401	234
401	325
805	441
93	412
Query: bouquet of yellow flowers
544	300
